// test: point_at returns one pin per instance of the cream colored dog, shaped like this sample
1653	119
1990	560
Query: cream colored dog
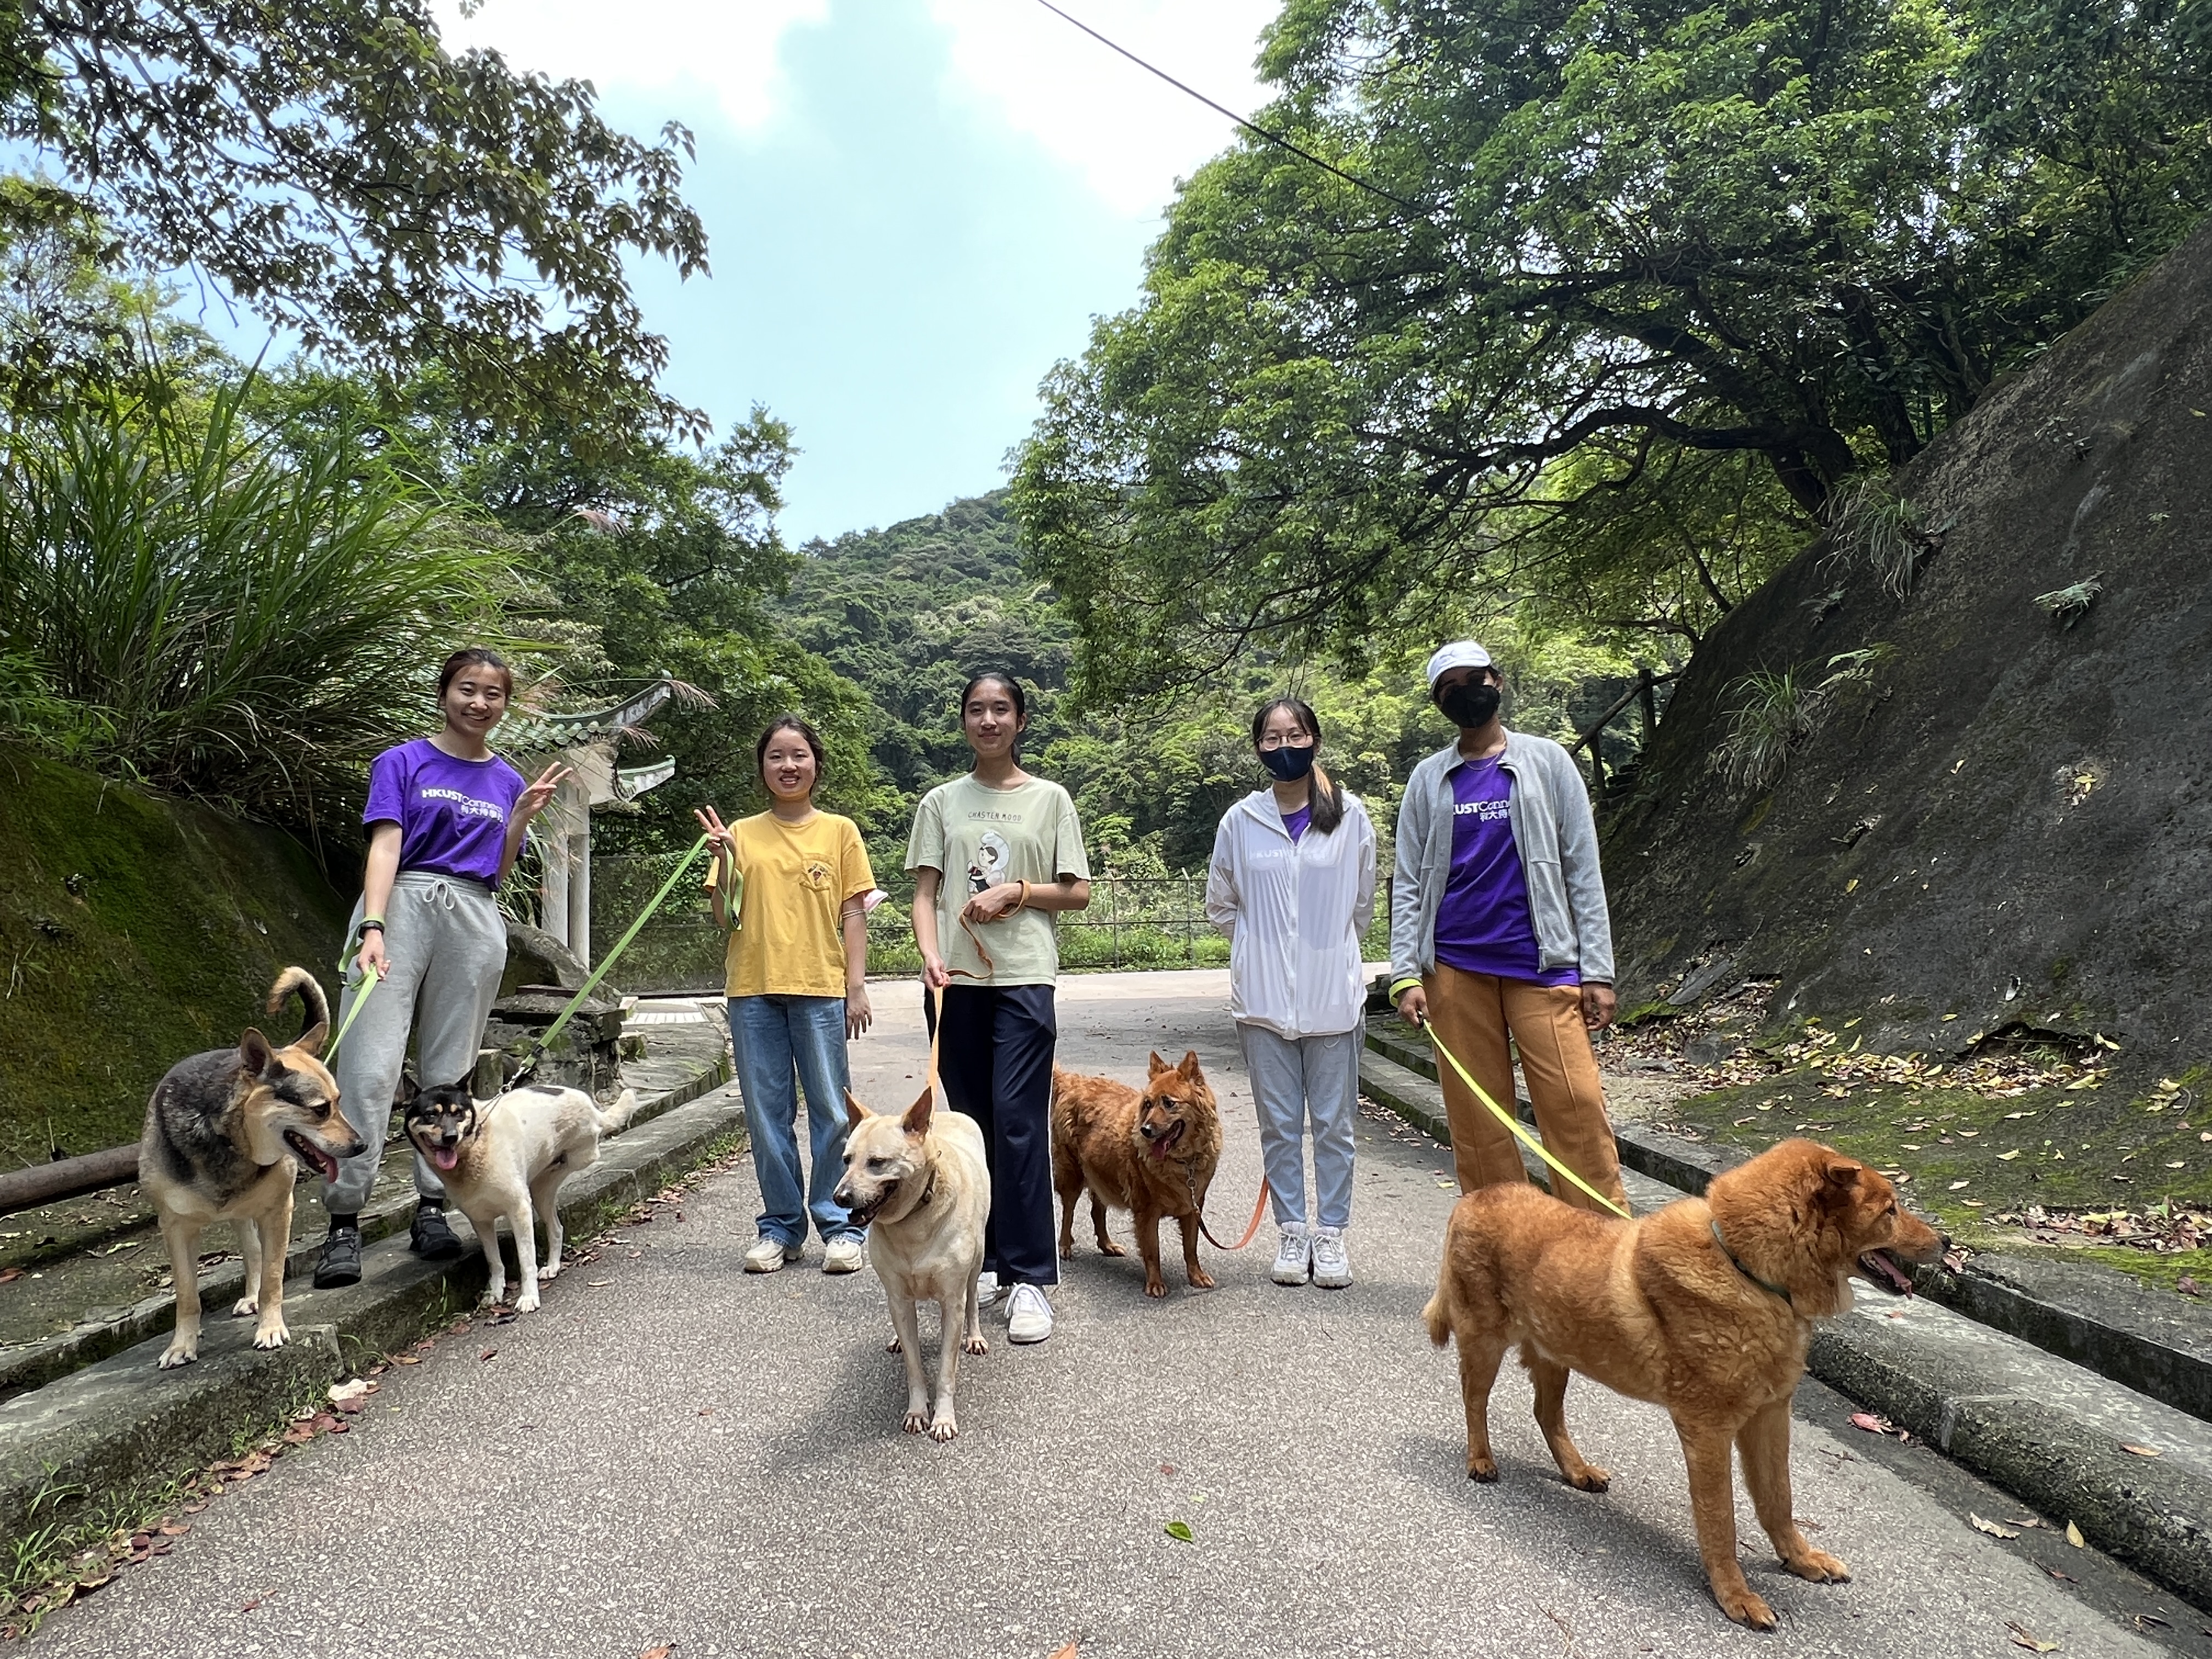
508	1157
918	1184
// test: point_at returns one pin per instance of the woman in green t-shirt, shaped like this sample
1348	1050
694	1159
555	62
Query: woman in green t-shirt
994	854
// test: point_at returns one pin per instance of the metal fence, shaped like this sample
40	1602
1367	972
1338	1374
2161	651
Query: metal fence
1132	922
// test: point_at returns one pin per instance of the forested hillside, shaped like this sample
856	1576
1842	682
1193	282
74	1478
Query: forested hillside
907	613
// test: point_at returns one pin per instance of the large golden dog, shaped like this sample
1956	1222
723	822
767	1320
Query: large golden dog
1705	1308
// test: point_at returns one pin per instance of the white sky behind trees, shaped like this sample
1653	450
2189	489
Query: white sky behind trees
915	206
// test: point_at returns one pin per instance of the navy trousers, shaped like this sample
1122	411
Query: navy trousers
995	1062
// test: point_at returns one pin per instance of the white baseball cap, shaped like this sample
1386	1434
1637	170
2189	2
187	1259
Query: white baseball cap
1460	653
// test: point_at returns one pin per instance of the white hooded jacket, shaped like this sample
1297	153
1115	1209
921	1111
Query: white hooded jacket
1295	912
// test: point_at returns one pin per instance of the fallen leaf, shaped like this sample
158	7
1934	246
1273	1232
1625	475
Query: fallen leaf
1067	1652
2068	1576
598	1284
2021	1639
11	1275
2188	1286
2007	1157
488	1354
1871	1424
1956	1185
2140	1451
2074	1537
1167	1468
250	1606
660	1652
1180	1531
1991	1527
406	1359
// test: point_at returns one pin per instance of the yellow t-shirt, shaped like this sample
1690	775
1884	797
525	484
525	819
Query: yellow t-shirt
798	878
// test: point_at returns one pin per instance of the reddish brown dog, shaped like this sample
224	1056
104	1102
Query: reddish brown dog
1150	1153
1705	1308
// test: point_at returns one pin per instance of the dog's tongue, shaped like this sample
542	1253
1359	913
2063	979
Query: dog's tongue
446	1156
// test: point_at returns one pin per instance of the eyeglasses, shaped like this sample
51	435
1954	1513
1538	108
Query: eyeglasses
1275	740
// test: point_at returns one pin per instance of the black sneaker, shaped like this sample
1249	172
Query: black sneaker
341	1262
431	1239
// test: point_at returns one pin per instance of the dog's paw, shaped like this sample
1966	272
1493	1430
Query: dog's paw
1201	1280
179	1354
1819	1567
548	1273
1108	1247
942	1428
273	1333
894	1345
1747	1606
1590	1478
527	1302
1156	1287
917	1420
245	1305
1067	1249
974	1345
1484	1469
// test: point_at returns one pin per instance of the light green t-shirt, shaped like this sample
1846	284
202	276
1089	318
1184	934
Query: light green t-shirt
978	837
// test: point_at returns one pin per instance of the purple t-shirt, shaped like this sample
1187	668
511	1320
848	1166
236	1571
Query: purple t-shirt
451	813
1296	822
1483	925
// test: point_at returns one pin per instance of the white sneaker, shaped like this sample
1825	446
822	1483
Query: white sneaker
843	1254
768	1255
1029	1315
1331	1266
986	1289
1294	1254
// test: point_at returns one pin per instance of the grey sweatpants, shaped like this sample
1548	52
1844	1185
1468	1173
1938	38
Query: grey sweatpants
446	944
1295	1080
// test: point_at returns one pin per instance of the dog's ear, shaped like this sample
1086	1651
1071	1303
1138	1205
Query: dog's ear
311	1040
461	1089
1189	1068
1844	1176
1159	1064
407	1093
253	1051
856	1114
917	1121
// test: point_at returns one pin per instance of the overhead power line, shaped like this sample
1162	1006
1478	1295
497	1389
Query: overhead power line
1253	127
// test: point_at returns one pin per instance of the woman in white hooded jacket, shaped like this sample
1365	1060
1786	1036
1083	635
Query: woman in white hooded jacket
1292	884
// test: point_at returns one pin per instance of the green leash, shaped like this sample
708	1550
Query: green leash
537	1048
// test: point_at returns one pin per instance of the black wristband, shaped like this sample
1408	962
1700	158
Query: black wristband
366	926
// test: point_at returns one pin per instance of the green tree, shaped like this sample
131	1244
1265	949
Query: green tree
1615	245
329	164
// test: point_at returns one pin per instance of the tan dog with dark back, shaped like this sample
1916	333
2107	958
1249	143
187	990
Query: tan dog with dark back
918	1183
1705	1308
1151	1152
225	1134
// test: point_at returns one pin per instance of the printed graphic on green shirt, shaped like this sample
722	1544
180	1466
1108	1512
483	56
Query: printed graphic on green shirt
977	838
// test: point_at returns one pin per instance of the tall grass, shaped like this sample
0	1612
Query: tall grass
1778	710
240	614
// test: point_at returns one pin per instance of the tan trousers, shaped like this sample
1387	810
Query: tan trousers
1473	1013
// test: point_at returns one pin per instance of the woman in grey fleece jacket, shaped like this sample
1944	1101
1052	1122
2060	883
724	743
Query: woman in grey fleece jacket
1498	931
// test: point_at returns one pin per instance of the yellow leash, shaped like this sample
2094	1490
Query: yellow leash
1514	1124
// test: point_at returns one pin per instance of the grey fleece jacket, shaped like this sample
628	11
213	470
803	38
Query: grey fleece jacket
1555	834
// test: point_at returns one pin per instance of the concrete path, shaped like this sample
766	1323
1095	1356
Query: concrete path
685	1456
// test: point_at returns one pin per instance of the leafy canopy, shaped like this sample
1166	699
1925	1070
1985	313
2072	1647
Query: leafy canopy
330	165
1652	237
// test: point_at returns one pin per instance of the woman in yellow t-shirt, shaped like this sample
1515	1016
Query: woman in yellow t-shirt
796	975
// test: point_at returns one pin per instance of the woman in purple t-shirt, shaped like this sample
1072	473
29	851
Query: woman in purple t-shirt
445	821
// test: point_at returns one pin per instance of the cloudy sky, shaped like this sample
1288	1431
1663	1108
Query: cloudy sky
916	206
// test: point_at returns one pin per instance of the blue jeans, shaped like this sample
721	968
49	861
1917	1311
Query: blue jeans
773	1036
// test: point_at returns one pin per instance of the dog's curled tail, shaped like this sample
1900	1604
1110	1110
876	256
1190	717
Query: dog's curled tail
311	994
1438	1315
613	1117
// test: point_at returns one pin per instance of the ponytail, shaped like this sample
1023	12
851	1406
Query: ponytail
1327	801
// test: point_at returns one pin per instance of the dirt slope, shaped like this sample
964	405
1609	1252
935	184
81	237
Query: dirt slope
2011	823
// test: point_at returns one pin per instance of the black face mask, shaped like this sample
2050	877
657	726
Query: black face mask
1288	764
1469	704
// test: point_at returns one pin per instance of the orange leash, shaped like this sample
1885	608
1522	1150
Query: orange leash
1259	1209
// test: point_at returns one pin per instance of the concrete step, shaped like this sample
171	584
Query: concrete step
112	1431
2055	1434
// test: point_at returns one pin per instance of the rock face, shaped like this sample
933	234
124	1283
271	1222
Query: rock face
2009	821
